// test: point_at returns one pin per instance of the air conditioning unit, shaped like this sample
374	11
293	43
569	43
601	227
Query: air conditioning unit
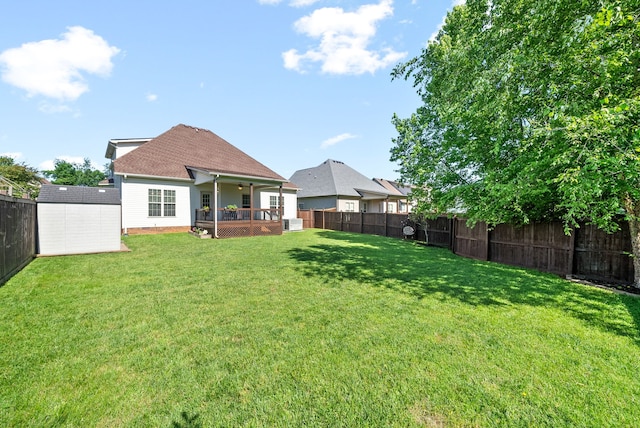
292	224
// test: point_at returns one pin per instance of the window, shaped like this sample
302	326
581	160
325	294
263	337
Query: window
205	200
273	202
169	203
156	205
364	207
155	202
391	207
350	206
246	201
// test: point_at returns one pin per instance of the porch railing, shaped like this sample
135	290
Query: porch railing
240	214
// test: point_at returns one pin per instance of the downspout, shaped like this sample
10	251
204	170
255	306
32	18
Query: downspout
215	206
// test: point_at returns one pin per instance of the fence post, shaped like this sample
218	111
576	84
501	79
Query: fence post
386	221
572	249
452	235
488	237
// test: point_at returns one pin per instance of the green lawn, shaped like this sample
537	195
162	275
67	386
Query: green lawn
316	328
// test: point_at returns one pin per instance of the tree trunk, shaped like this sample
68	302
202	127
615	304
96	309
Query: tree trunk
633	211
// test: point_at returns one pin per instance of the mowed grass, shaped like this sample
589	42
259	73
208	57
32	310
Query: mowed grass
316	328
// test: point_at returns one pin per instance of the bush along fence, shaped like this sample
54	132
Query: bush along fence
588	253
17	235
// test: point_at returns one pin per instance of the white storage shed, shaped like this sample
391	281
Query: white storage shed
78	220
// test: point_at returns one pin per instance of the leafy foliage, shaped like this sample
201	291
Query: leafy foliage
530	113
23	175
75	174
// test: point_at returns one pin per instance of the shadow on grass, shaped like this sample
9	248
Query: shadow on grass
421	271
187	421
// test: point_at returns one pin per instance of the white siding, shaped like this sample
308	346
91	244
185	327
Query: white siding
77	228
290	201
135	203
343	205
125	147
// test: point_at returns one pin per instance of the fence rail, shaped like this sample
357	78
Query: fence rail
588	253
17	235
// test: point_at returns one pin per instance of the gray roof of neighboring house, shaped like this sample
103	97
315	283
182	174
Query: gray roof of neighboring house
394	186
58	194
334	178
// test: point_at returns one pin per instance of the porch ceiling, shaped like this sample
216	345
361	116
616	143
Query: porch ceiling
202	177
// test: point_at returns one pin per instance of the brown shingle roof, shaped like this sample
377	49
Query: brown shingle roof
169	155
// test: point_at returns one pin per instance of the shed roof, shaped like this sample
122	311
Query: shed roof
58	194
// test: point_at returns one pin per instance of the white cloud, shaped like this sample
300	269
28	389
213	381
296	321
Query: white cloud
302	3
49	108
55	68
344	39
292	3
337	139
49	165
152	97
12	155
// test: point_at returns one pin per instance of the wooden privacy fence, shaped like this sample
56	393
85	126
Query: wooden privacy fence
383	224
588	253
17	235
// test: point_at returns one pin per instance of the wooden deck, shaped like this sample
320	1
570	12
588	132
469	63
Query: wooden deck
241	222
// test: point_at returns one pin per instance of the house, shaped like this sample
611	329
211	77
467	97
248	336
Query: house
78	220
190	177
404	204
333	184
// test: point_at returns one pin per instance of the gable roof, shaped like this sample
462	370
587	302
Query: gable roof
334	178
393	186
173	153
57	194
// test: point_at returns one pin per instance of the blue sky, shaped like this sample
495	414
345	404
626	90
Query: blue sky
290	82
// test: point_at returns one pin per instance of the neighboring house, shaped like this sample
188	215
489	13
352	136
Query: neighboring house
77	220
186	177
404	204
332	184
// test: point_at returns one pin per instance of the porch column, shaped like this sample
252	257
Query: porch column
250	209
215	207
281	203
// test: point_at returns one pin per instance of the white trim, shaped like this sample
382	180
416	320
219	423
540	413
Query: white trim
262	180
125	175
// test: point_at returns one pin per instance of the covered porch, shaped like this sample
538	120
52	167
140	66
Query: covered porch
235	210
240	222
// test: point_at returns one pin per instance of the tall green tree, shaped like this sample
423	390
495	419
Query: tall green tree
530	112
74	174
21	174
